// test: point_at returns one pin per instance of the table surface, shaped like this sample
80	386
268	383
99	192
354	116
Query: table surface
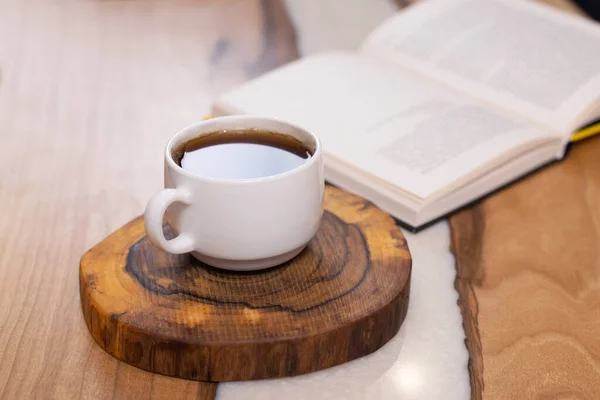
529	282
90	91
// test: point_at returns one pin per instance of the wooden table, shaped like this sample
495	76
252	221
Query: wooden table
527	276
90	91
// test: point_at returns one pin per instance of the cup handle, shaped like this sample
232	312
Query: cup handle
153	220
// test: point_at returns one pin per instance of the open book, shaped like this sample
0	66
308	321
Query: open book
442	104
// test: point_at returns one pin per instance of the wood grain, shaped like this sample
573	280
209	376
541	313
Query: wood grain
527	272
528	265
527	262
343	297
90	91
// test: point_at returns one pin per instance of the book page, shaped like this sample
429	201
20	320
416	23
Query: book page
399	127
527	58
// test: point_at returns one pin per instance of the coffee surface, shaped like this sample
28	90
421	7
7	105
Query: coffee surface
242	154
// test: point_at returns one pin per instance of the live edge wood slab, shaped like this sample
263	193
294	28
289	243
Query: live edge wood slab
343	297
528	277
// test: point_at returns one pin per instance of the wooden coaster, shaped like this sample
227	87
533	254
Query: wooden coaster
343	297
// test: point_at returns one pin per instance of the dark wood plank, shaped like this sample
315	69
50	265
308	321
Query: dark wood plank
343	297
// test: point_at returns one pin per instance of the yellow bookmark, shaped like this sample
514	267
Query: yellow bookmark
586	132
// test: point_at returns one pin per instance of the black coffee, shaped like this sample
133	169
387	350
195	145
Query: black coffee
242	154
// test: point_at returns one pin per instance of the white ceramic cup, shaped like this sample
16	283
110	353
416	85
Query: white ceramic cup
244	224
